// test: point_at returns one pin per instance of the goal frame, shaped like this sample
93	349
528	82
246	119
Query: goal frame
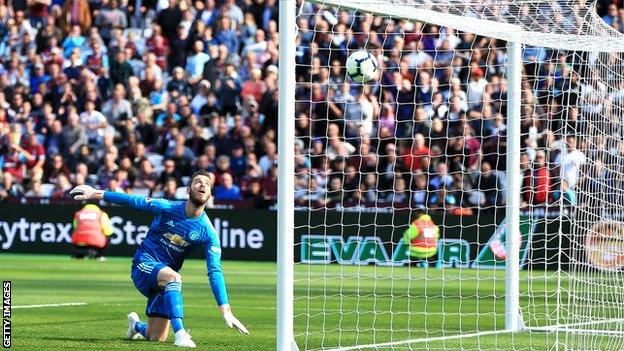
285	340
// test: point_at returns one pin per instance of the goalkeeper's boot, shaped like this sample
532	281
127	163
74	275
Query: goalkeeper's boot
132	334
183	339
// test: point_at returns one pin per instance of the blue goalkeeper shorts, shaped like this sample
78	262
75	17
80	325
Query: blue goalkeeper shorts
145	278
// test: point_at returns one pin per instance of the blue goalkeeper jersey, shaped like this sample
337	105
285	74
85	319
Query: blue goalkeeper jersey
172	235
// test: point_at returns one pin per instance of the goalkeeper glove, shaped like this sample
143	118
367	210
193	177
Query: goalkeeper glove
85	192
232	321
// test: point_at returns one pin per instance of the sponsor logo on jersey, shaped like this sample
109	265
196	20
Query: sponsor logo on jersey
177	240
170	223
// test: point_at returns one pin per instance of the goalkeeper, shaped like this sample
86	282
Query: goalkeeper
177	228
422	237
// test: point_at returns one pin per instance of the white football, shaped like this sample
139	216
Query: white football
362	66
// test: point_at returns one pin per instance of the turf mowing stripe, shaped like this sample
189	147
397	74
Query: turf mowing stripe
53	305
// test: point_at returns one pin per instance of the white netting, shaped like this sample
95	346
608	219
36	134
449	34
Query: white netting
429	137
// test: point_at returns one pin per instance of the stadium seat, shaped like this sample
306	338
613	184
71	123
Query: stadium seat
47	189
141	191
156	160
181	193
157	194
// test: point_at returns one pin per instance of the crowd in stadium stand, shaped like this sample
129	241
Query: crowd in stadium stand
134	96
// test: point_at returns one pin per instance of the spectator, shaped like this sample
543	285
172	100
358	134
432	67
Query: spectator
121	178
107	171
612	15
61	187
178	85
227	35
538	181
269	158
269	183
168	118
487	182
441	179
147	178
109	18
75	13
570	160
95	122
120	69
117	109
125	164
15	160
399	196
34	165
169	172
74	40
238	161
227	190
255	195
74	134
228	90
86	157
254	88
169	18
421	193
55	168
9	188
182	156
169	189
35	190
178	47
335	193
195	63
413	159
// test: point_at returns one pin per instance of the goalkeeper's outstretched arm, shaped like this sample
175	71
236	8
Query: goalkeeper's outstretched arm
217	284
86	192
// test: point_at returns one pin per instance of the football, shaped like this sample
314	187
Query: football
362	66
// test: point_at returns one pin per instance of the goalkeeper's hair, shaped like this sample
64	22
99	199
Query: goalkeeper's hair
203	172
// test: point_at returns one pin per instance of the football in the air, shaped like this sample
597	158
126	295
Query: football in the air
362	66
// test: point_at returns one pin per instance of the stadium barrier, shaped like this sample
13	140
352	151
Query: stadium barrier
329	235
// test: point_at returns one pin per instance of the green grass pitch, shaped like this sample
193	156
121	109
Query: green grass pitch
107	294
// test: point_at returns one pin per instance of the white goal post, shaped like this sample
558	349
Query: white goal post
566	298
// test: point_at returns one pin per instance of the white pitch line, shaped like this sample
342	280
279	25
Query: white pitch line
419	340
577	324
51	305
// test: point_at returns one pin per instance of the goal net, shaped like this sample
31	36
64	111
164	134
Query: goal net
405	186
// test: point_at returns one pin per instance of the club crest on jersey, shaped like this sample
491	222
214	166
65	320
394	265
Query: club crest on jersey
177	240
194	235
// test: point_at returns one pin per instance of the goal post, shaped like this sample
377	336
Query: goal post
495	120
513	239
285	201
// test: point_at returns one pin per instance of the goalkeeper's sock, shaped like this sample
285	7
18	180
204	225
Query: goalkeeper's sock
141	328
174	305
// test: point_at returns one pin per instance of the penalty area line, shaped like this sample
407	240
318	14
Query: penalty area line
420	340
51	305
